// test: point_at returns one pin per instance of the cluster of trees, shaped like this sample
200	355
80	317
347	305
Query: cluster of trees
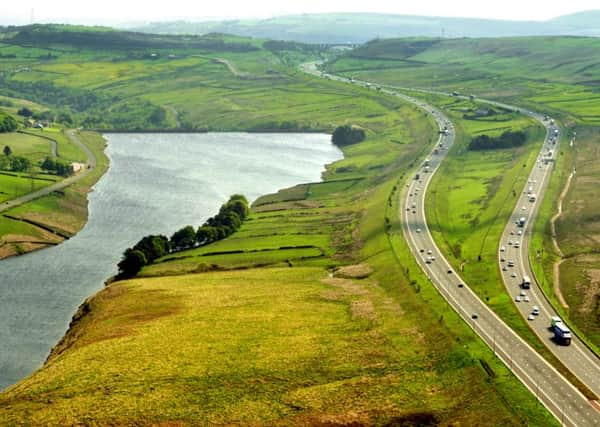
7	123
57	167
347	134
13	163
507	140
150	248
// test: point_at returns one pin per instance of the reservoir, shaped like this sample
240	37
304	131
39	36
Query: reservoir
156	184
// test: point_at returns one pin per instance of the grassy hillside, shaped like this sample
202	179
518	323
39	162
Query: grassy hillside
265	327
560	74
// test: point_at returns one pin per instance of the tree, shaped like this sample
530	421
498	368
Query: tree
7	151
346	135
183	238
25	112
132	263
153	247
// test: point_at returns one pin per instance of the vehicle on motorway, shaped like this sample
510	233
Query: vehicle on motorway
562	334
429	252
504	268
531	317
502	248
532	198
460	285
516	245
526	298
418	230
474	316
521	221
502	259
416	179
449	271
511	263
518	298
520	232
535	310
513	274
526	283
510	242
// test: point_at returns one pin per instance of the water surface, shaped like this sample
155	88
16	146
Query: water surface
156	184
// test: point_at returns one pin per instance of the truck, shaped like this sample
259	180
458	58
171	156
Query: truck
562	334
526	283
521	221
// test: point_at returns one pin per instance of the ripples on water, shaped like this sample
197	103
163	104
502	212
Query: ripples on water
156	184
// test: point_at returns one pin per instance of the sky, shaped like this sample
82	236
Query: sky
137	11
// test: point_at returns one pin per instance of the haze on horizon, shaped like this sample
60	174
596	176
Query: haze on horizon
110	12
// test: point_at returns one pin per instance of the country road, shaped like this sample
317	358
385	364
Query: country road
561	398
90	165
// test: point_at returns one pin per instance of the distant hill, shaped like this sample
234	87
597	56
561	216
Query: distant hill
361	27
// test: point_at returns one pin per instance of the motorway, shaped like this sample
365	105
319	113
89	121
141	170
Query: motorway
568	404
91	164
515	247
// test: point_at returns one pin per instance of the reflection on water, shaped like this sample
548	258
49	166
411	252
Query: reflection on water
156	184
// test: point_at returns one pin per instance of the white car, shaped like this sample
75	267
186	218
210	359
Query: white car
502	248
510	243
429	252
502	259
531	317
513	274
526	298
535	310
418	230
522	293
519	232
504	268
518	298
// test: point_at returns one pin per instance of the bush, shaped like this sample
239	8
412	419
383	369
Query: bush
507	140
347	135
7	123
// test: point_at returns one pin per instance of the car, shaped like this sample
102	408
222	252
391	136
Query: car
414	212
418	230
502	248
510	242
449	271
433	258
428	260
474	316
421	250
520	233
512	233
513	274
407	209
518	298
522	293
504	268
429	252
535	310
531	317
526	298
461	285
511	263
523	208
517	245
502	259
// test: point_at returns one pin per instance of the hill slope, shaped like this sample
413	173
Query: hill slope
361	27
